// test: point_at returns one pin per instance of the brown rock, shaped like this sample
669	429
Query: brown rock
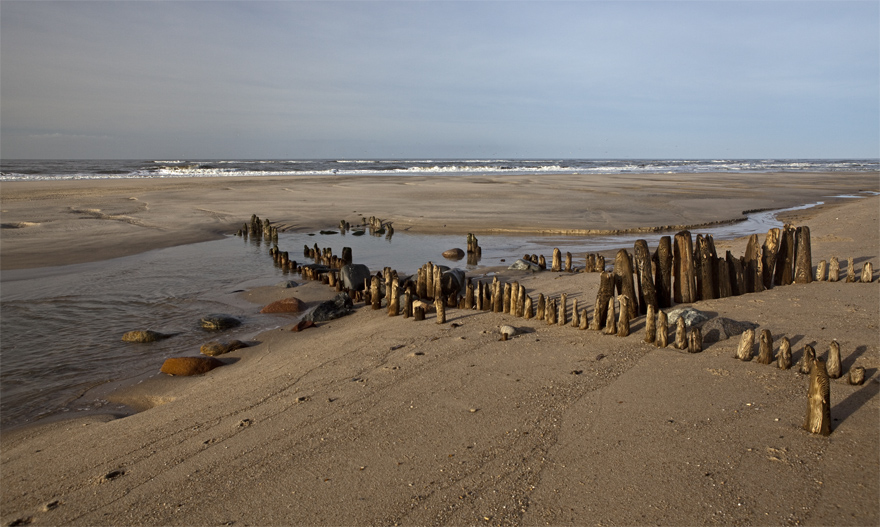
214	348
303	324
189	365
454	254
285	305
144	336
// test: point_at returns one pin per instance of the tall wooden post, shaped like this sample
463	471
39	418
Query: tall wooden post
562	309
623	319
375	299
821	271
663	272
684	287
610	323
557	260
394	296
542	307
803	265
575	319
769	251
567	262
662	330
606	291
644	276
527	308
623	276
818	419
440	306
651	325
785	257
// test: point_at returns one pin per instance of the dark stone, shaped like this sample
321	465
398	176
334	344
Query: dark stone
523	265
218	322
144	336
453	254
692	317
452	281
340	306
720	328
353	276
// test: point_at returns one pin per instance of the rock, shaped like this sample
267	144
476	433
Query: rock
340	306
720	328
353	276
287	284
452	281
525	265
214	348
218	322
189	365
285	305
692	317
510	331
144	336
453	254
428	307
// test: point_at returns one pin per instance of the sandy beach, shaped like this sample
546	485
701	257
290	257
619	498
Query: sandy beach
378	420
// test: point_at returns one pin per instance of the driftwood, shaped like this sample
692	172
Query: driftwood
644	276
650	325
807	359
662	339
623	278
783	360
746	342
680	334
803	256
832	365
834	270
857	375
610	323
663	272
765	347
623	319
695	340
684	286
606	291
818	419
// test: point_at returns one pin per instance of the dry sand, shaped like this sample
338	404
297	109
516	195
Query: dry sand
373	420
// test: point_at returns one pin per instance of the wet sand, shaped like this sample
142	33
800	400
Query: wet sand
371	419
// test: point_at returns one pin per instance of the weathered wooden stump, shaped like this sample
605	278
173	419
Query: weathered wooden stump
584	320
737	275
746	342
769	252
850	270
623	278
750	265
807	359
589	262
663	272
821	271
680	334
867	273
623	318
723	273
440	306
651	325
561	318
407	304
783	274
610	322
707	282
521	301
375	298
856	375
557	260
505	299
695	340
832	365
550	312
429	281
644	276
765	347
469	296
662	339
542	263
575	319
803	256
606	292
783	360
818	419
834	270
567	262
527	307
542	307
394	298
684	286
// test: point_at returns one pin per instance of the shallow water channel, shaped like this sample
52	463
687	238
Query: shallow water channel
61	326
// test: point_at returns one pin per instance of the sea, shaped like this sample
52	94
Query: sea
61	327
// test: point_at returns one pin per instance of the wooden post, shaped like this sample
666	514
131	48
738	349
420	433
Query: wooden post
680	334
600	264
663	272
567	262
505	306
429	281
375	299
850	270
542	307
662	330
807	359
651	325
833	364
557	260
521	301
440	306
769	252
575	319
684	287
527	307
695	340
610	322
723	274
584	321
623	319
857	375
418	313
623	277
438	282
514	297
562	309
394	298
785	257
550	312
746	342
407	304
818	419
820	271
469	296
737	276
606	291
422	283
750	265
783	360
589	262
708	268
644	276
497	296
867	273
542	263
803	258
834	270
765	347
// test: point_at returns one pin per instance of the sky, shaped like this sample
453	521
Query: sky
432	79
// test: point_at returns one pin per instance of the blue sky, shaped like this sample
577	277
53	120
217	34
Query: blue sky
540	79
